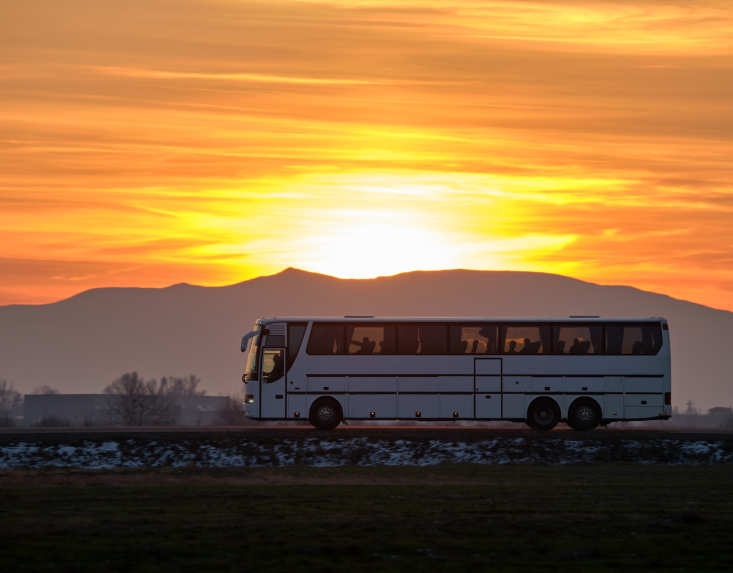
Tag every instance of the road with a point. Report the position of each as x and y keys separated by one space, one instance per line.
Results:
x=347 y=429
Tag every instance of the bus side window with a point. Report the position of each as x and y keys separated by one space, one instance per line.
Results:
x=633 y=339
x=473 y=339
x=430 y=339
x=572 y=339
x=295 y=338
x=370 y=339
x=326 y=339
x=527 y=339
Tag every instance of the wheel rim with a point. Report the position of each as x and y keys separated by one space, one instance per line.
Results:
x=543 y=415
x=326 y=414
x=585 y=415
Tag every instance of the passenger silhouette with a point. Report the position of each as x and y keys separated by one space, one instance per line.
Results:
x=277 y=368
x=464 y=346
x=527 y=348
x=559 y=347
x=575 y=348
x=474 y=347
x=512 y=347
x=366 y=346
x=585 y=347
x=636 y=348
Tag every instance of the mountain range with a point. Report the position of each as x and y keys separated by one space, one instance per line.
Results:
x=81 y=344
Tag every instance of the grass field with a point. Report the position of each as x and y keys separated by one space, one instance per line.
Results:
x=444 y=518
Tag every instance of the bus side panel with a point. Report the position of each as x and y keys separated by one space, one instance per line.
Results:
x=632 y=384
x=428 y=405
x=326 y=384
x=456 y=406
x=296 y=405
x=613 y=407
x=383 y=406
x=584 y=384
x=514 y=406
x=488 y=406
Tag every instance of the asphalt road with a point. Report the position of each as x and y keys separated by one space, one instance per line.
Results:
x=561 y=428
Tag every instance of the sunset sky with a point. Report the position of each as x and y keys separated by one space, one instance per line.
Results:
x=151 y=142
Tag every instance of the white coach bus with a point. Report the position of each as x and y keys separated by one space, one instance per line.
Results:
x=585 y=371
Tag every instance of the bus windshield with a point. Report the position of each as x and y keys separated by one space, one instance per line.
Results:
x=252 y=357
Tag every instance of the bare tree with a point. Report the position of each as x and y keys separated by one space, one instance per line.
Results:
x=134 y=402
x=10 y=401
x=183 y=386
x=45 y=390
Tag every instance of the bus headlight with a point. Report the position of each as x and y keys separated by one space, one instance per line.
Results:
x=249 y=399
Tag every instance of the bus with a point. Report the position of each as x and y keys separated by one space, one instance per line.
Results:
x=581 y=370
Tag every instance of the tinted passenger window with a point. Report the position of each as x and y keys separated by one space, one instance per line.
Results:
x=628 y=339
x=370 y=339
x=423 y=339
x=577 y=339
x=295 y=337
x=474 y=339
x=526 y=339
x=326 y=339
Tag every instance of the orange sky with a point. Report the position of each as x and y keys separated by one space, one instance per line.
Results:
x=150 y=142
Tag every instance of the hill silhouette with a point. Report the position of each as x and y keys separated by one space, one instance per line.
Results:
x=80 y=344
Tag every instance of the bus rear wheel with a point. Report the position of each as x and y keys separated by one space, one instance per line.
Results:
x=584 y=415
x=544 y=414
x=325 y=414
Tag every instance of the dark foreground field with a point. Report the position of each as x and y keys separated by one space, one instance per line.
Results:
x=440 y=518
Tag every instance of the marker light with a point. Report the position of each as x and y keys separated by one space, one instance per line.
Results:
x=372 y=414
x=455 y=414
x=417 y=414
x=668 y=398
x=297 y=414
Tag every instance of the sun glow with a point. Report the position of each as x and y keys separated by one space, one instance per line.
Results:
x=367 y=250
x=361 y=139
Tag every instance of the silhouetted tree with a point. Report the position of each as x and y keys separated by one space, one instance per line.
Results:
x=134 y=402
x=10 y=401
x=184 y=386
x=45 y=390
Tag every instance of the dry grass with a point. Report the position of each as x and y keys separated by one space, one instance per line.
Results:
x=442 y=519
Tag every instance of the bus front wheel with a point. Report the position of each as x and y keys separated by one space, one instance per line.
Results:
x=544 y=414
x=584 y=415
x=325 y=414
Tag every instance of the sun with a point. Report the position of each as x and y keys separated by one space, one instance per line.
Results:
x=370 y=249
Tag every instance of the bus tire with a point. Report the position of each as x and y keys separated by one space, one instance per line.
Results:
x=543 y=414
x=584 y=415
x=325 y=414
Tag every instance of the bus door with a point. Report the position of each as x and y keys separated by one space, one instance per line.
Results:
x=487 y=385
x=272 y=383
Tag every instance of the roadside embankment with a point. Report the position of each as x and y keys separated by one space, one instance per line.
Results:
x=357 y=447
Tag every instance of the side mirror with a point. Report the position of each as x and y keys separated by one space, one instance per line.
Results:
x=245 y=339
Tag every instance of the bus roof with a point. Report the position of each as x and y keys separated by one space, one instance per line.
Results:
x=482 y=319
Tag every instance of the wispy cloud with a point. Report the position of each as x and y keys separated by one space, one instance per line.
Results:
x=158 y=141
